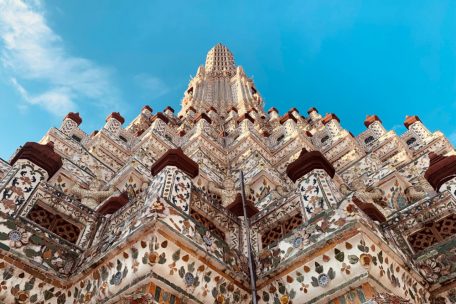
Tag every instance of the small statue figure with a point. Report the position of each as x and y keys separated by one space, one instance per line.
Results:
x=93 y=196
x=363 y=193
x=418 y=191
x=227 y=193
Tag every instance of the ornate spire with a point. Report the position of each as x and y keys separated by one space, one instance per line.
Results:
x=220 y=60
x=221 y=84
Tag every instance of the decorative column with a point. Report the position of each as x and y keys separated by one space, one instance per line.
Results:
x=114 y=122
x=299 y=119
x=332 y=123
x=413 y=123
x=313 y=114
x=232 y=113
x=147 y=110
x=245 y=122
x=373 y=122
x=32 y=164
x=274 y=117
x=70 y=123
x=173 y=173
x=169 y=111
x=159 y=122
x=203 y=123
x=312 y=173
x=273 y=114
x=213 y=114
x=289 y=122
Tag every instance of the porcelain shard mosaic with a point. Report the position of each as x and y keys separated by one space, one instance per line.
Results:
x=153 y=211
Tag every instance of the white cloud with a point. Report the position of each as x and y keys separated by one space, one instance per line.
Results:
x=57 y=101
x=32 y=51
x=153 y=86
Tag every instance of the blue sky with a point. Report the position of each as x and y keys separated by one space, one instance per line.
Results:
x=353 y=58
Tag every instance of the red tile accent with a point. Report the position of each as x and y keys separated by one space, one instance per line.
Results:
x=308 y=161
x=41 y=155
x=441 y=169
x=176 y=157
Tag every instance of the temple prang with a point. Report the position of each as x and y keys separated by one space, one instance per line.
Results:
x=150 y=211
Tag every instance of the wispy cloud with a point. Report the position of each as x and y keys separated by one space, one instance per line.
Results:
x=32 y=52
x=153 y=86
x=398 y=128
x=56 y=101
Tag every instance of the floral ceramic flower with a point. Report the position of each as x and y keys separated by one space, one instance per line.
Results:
x=152 y=258
x=297 y=242
x=365 y=260
x=158 y=207
x=303 y=237
x=18 y=191
x=284 y=299
x=116 y=278
x=3 y=286
x=431 y=270
x=57 y=260
x=345 y=268
x=18 y=238
x=135 y=265
x=220 y=299
x=104 y=287
x=382 y=271
x=21 y=297
x=272 y=289
x=309 y=189
x=323 y=280
x=209 y=241
x=26 y=180
x=87 y=297
x=189 y=279
x=47 y=254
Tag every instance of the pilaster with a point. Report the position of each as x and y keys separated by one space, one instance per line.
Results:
x=32 y=164
x=332 y=123
x=312 y=174
x=70 y=123
x=414 y=124
x=173 y=173
x=374 y=123
x=114 y=122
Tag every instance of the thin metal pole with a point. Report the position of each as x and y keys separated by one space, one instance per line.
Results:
x=249 y=246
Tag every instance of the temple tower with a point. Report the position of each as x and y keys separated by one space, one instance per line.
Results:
x=221 y=85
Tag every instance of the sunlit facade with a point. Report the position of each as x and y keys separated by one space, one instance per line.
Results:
x=151 y=212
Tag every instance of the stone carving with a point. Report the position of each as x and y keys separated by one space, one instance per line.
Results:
x=419 y=191
x=280 y=192
x=364 y=193
x=93 y=196
x=227 y=193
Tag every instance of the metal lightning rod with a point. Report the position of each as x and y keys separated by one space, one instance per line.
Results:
x=249 y=246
